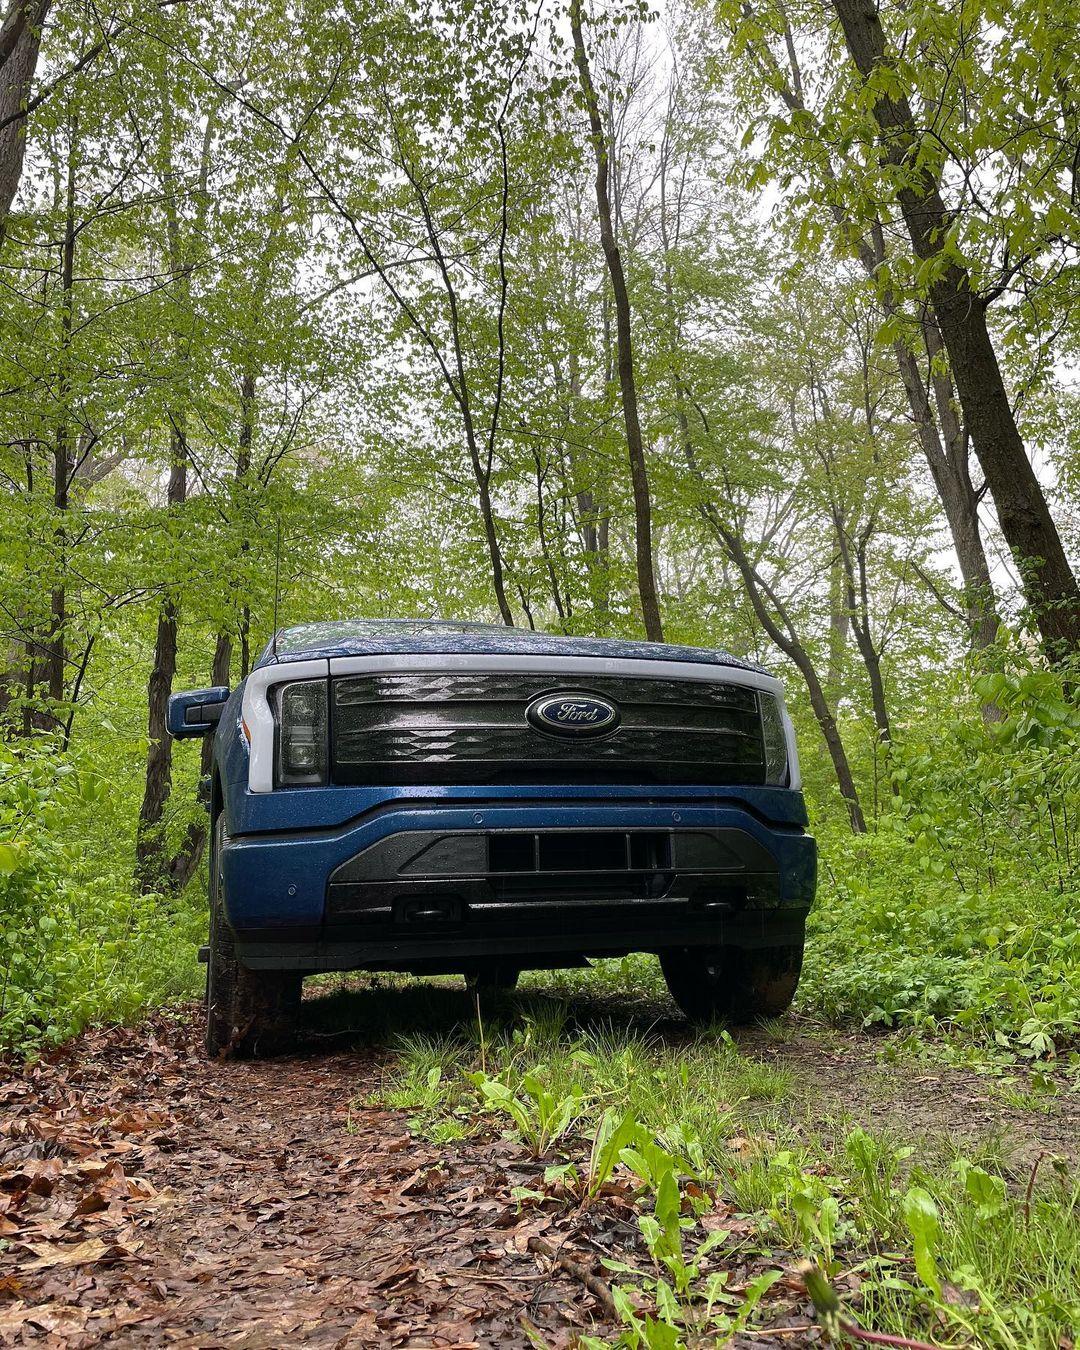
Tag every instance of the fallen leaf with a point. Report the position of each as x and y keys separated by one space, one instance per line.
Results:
x=80 y=1254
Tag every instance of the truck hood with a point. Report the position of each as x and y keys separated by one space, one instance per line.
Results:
x=316 y=641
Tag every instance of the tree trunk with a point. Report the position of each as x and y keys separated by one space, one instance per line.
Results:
x=1049 y=584
x=945 y=450
x=959 y=498
x=790 y=644
x=646 y=576
x=857 y=599
x=591 y=513
x=185 y=863
x=839 y=627
x=561 y=609
x=20 y=42
x=56 y=656
x=151 y=866
x=783 y=633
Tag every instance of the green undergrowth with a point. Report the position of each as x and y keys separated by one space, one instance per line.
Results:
x=999 y=966
x=928 y=1242
x=960 y=909
x=78 y=942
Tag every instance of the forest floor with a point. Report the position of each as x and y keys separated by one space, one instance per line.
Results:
x=148 y=1196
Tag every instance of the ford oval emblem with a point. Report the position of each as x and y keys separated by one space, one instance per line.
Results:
x=573 y=714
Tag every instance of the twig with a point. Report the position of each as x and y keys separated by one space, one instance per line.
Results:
x=592 y=1283
x=1031 y=1187
x=883 y=1338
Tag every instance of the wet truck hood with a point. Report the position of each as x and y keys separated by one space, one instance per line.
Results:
x=314 y=641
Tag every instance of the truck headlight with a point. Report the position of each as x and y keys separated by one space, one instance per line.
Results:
x=301 y=733
x=774 y=735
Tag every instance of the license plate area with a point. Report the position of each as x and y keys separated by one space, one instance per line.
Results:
x=581 y=851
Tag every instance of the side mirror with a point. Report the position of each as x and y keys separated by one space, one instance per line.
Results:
x=196 y=712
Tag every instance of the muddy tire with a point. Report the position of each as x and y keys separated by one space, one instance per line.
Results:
x=492 y=977
x=733 y=984
x=248 y=1012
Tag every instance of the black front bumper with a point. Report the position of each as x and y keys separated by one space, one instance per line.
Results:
x=434 y=900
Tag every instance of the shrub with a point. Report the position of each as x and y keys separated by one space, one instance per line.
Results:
x=77 y=943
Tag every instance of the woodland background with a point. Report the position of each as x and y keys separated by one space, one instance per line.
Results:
x=750 y=324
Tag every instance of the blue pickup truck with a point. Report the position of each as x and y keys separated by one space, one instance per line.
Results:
x=464 y=798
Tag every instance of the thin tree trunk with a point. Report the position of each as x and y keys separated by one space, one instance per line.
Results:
x=152 y=864
x=781 y=629
x=591 y=513
x=245 y=642
x=1049 y=584
x=56 y=657
x=857 y=602
x=839 y=627
x=151 y=867
x=958 y=497
x=646 y=576
x=945 y=449
x=185 y=862
x=960 y=500
x=791 y=645
x=545 y=549
x=457 y=380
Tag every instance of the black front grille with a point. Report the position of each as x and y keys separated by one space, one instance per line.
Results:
x=462 y=876
x=470 y=727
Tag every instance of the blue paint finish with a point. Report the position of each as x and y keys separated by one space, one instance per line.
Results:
x=231 y=758
x=320 y=808
x=370 y=637
x=179 y=705
x=279 y=881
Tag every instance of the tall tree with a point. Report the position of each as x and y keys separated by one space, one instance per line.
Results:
x=185 y=242
x=639 y=473
x=960 y=312
x=941 y=435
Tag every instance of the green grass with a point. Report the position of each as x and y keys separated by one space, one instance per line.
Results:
x=997 y=1267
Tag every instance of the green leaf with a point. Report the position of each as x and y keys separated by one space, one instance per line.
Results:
x=11 y=856
x=921 y=1217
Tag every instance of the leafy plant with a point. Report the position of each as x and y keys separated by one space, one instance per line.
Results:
x=541 y=1116
x=690 y=1303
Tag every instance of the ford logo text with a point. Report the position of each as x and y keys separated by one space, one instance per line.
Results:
x=573 y=714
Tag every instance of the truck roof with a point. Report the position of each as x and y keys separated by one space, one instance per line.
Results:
x=378 y=637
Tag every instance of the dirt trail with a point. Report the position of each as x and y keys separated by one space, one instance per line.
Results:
x=150 y=1197
x=253 y=1205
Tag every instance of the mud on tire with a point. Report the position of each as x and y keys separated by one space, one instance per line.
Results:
x=248 y=1012
x=734 y=984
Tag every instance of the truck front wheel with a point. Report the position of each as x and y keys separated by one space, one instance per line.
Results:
x=248 y=1012
x=734 y=984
